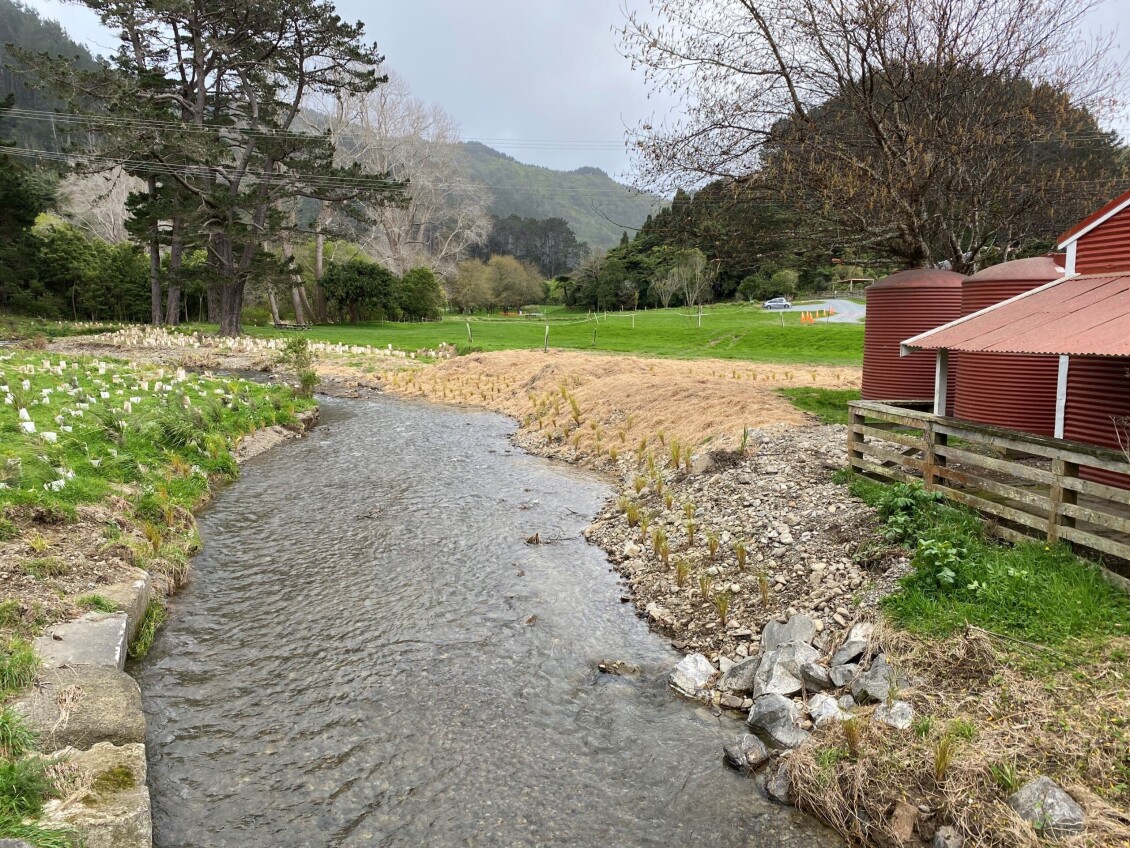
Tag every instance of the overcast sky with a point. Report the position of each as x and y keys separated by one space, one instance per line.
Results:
x=540 y=80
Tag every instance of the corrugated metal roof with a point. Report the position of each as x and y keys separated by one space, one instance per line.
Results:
x=1094 y=219
x=1080 y=316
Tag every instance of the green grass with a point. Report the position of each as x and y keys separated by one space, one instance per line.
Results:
x=18 y=327
x=99 y=425
x=97 y=603
x=147 y=630
x=829 y=405
x=18 y=664
x=1030 y=591
x=728 y=332
x=24 y=787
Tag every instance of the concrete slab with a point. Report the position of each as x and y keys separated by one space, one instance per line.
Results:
x=132 y=598
x=113 y=812
x=79 y=706
x=94 y=639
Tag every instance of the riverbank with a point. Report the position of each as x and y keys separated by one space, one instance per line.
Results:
x=103 y=465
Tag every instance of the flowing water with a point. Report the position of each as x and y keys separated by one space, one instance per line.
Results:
x=357 y=662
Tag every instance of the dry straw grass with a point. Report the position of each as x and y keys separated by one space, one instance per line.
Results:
x=985 y=710
x=634 y=399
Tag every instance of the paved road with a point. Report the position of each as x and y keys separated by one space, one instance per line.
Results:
x=845 y=310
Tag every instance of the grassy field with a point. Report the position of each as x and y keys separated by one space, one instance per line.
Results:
x=727 y=332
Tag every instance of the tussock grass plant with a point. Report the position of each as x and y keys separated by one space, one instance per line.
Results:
x=37 y=542
x=705 y=583
x=632 y=513
x=44 y=567
x=741 y=552
x=852 y=730
x=682 y=571
x=944 y=752
x=763 y=587
x=691 y=529
x=668 y=501
x=97 y=603
x=147 y=631
x=658 y=539
x=639 y=484
x=665 y=553
x=1006 y=776
x=712 y=544
x=15 y=738
x=721 y=601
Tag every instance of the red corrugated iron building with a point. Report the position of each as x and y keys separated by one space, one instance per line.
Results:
x=1083 y=320
x=1098 y=389
x=1007 y=390
x=900 y=306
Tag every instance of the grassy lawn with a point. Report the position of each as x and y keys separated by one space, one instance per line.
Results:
x=728 y=332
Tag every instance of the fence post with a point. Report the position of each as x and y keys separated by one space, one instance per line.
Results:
x=1059 y=495
x=929 y=474
x=855 y=419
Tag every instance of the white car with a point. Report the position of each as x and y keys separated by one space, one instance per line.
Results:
x=777 y=303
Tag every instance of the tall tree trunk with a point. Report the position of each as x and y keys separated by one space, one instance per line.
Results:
x=296 y=301
x=176 y=254
x=215 y=302
x=320 y=313
x=273 y=302
x=154 y=260
x=306 y=302
x=231 y=306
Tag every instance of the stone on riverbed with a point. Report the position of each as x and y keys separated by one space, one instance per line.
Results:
x=746 y=753
x=898 y=715
x=842 y=675
x=816 y=677
x=799 y=628
x=877 y=683
x=1048 y=808
x=739 y=678
x=774 y=718
x=778 y=786
x=692 y=675
x=824 y=710
x=854 y=644
x=780 y=670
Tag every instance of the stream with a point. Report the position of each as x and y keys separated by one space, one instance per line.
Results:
x=369 y=653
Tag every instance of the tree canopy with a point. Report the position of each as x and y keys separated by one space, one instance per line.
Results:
x=928 y=131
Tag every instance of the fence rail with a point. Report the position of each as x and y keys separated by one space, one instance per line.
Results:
x=1029 y=486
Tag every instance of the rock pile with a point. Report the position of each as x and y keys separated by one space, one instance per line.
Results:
x=801 y=679
x=750 y=539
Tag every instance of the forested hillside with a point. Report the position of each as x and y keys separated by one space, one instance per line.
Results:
x=597 y=208
x=22 y=25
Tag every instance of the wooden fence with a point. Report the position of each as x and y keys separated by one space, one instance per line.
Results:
x=1029 y=486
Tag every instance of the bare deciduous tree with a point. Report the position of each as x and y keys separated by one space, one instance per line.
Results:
x=96 y=202
x=446 y=212
x=927 y=129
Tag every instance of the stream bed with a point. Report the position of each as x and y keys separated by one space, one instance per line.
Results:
x=370 y=654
